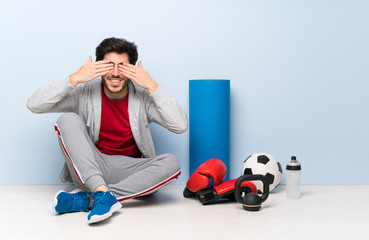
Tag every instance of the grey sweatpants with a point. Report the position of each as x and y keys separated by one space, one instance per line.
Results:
x=126 y=177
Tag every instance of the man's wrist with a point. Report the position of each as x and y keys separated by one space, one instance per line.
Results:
x=73 y=80
x=153 y=88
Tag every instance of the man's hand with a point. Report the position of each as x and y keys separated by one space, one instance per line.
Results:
x=89 y=71
x=139 y=76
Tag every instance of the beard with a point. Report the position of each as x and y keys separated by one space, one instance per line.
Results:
x=115 y=90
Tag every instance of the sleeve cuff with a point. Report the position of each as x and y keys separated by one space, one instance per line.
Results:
x=159 y=96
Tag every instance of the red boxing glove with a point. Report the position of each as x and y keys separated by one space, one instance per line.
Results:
x=224 y=190
x=200 y=179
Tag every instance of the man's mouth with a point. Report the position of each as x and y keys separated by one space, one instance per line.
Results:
x=115 y=82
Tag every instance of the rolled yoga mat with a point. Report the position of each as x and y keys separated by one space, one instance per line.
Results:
x=209 y=119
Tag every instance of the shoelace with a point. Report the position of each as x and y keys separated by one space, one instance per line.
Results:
x=99 y=197
x=81 y=202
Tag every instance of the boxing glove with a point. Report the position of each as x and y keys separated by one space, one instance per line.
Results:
x=224 y=190
x=213 y=169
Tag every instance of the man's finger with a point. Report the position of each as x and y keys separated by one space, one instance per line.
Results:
x=104 y=69
x=99 y=74
x=89 y=59
x=128 y=65
x=128 y=68
x=103 y=62
x=105 y=65
x=128 y=74
x=139 y=64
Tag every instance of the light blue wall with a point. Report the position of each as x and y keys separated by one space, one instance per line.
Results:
x=298 y=70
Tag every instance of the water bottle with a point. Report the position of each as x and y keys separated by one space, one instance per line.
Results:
x=293 y=178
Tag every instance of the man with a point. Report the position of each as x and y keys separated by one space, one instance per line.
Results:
x=104 y=134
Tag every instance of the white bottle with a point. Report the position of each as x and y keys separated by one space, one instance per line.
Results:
x=293 y=178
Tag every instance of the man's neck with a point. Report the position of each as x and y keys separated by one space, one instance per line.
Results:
x=116 y=97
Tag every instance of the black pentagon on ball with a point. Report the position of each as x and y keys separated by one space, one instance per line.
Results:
x=247 y=171
x=270 y=178
x=263 y=159
x=279 y=167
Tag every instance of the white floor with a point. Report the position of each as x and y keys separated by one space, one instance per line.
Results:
x=323 y=212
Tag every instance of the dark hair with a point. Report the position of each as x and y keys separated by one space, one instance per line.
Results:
x=118 y=45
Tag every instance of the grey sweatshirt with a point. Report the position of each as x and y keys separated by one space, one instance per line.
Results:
x=85 y=100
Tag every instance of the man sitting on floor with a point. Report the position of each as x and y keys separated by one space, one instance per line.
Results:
x=104 y=132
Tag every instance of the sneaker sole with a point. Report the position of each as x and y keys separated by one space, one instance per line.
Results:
x=56 y=196
x=99 y=218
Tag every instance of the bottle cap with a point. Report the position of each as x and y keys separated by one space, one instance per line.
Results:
x=293 y=165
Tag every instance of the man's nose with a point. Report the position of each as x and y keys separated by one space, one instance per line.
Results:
x=116 y=70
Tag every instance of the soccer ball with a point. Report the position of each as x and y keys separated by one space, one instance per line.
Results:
x=264 y=164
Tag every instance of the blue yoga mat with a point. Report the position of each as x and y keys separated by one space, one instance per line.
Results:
x=209 y=120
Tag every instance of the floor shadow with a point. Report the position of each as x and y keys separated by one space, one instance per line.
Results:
x=150 y=200
x=106 y=221
x=276 y=190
